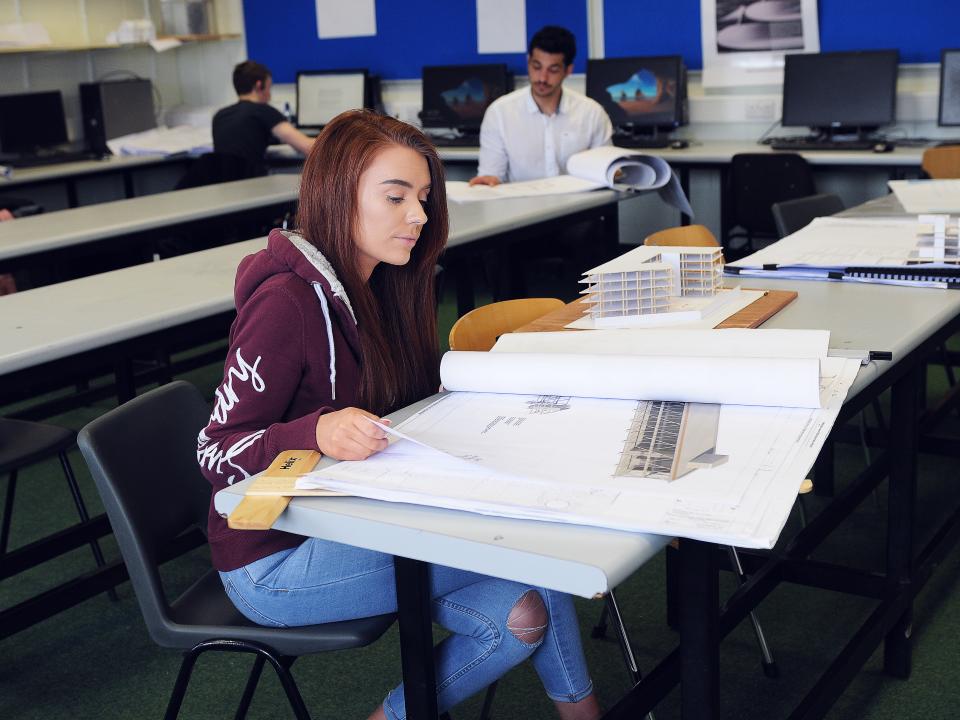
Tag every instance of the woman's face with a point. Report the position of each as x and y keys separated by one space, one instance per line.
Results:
x=391 y=197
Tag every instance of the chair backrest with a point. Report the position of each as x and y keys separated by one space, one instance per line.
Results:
x=480 y=328
x=758 y=180
x=792 y=215
x=142 y=456
x=211 y=168
x=942 y=162
x=684 y=236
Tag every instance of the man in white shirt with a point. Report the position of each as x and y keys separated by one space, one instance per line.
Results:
x=532 y=132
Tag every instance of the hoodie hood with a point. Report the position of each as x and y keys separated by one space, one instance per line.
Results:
x=289 y=252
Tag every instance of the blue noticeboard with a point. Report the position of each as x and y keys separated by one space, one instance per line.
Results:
x=283 y=36
x=918 y=28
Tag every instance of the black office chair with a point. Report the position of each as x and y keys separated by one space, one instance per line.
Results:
x=755 y=182
x=20 y=206
x=24 y=443
x=793 y=215
x=211 y=168
x=143 y=459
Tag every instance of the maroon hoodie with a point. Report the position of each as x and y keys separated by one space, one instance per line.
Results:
x=294 y=355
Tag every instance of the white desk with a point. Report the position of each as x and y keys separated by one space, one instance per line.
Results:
x=52 y=231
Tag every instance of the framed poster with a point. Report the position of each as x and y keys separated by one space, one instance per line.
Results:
x=744 y=41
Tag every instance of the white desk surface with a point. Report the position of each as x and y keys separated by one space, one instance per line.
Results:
x=576 y=559
x=98 y=310
x=41 y=233
x=719 y=152
x=64 y=171
x=68 y=318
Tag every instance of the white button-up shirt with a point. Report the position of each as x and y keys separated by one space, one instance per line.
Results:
x=518 y=142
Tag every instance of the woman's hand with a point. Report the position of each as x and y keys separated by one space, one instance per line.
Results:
x=348 y=434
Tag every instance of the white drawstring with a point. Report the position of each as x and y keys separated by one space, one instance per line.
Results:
x=318 y=288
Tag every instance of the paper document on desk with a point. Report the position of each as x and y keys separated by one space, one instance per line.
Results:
x=600 y=167
x=163 y=141
x=724 y=473
x=927 y=196
x=896 y=249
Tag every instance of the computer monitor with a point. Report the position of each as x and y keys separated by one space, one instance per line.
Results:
x=324 y=94
x=457 y=96
x=840 y=93
x=31 y=120
x=642 y=95
x=949 y=87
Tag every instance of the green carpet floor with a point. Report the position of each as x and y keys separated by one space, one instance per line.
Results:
x=96 y=660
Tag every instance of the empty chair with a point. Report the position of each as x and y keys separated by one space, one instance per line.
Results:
x=480 y=328
x=683 y=236
x=942 y=163
x=143 y=459
x=755 y=182
x=24 y=443
x=792 y=215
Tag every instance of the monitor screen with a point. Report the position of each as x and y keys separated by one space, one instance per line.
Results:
x=457 y=96
x=32 y=120
x=950 y=87
x=127 y=107
x=639 y=91
x=322 y=95
x=840 y=90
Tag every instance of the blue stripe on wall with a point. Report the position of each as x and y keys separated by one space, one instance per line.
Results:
x=282 y=34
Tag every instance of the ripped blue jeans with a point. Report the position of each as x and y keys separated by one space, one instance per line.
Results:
x=322 y=581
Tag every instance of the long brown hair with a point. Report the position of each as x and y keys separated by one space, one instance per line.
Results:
x=395 y=310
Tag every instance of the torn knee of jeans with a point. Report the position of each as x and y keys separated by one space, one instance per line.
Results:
x=527 y=620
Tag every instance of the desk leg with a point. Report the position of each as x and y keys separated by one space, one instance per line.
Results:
x=904 y=419
x=461 y=269
x=416 y=638
x=699 y=610
x=684 y=175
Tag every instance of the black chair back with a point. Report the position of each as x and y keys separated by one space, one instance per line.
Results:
x=757 y=180
x=212 y=168
x=793 y=215
x=143 y=461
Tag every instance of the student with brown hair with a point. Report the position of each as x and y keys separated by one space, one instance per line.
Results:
x=247 y=127
x=336 y=326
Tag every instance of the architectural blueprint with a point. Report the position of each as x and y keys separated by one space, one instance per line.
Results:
x=607 y=462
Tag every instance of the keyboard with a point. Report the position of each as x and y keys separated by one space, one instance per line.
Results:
x=42 y=158
x=471 y=141
x=803 y=143
x=633 y=141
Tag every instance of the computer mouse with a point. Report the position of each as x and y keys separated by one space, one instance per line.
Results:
x=882 y=147
x=679 y=144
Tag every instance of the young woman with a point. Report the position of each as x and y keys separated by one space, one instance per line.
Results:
x=336 y=325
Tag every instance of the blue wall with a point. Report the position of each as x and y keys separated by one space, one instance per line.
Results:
x=917 y=28
x=282 y=34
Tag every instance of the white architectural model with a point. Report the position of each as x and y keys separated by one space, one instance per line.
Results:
x=652 y=280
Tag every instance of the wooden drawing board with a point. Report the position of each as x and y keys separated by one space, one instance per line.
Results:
x=754 y=315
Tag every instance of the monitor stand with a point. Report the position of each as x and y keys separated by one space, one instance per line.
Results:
x=632 y=137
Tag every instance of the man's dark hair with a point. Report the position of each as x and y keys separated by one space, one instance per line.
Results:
x=246 y=75
x=555 y=39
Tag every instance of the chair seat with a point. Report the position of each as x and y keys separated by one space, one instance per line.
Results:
x=24 y=443
x=204 y=612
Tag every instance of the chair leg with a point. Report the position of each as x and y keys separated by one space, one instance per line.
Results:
x=282 y=667
x=488 y=701
x=250 y=687
x=600 y=629
x=84 y=516
x=180 y=686
x=8 y=512
x=770 y=668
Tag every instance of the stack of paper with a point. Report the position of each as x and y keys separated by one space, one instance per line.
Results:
x=584 y=438
x=182 y=139
x=889 y=251
x=927 y=196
